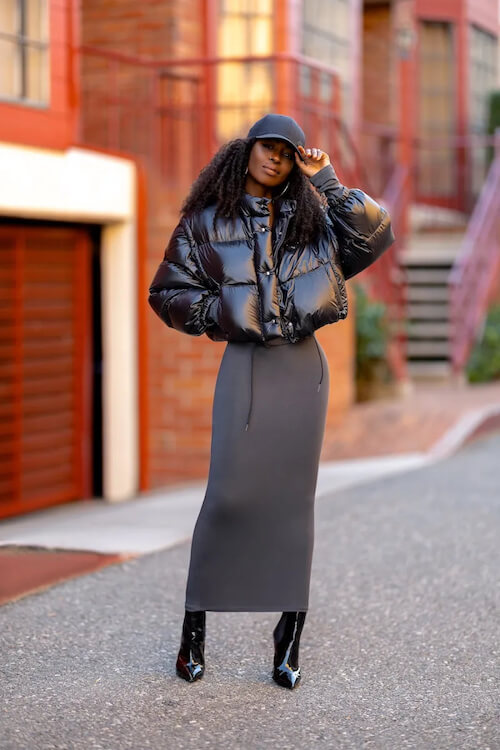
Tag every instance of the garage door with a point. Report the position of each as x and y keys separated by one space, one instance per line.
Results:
x=45 y=367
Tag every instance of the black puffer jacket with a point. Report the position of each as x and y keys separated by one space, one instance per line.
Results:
x=234 y=285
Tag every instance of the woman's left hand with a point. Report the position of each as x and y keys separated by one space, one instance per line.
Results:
x=314 y=160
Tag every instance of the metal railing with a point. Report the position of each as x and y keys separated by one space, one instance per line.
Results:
x=174 y=114
x=447 y=170
x=476 y=267
x=390 y=273
x=385 y=279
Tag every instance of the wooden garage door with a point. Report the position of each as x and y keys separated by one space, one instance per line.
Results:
x=45 y=367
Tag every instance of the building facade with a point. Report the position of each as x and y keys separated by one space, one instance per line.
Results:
x=107 y=113
x=68 y=251
x=216 y=68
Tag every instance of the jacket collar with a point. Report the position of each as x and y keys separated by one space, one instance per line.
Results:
x=256 y=206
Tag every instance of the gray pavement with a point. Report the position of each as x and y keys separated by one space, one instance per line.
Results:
x=400 y=648
x=162 y=518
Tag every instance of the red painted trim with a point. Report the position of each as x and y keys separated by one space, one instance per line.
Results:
x=356 y=31
x=51 y=126
x=461 y=49
x=210 y=10
x=407 y=77
x=284 y=93
x=143 y=343
x=74 y=80
x=210 y=60
x=294 y=26
x=439 y=10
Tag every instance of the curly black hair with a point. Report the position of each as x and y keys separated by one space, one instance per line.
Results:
x=222 y=182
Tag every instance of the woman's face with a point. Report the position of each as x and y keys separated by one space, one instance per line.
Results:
x=271 y=161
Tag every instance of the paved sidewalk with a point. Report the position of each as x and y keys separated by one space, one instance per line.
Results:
x=400 y=649
x=413 y=424
x=377 y=439
x=160 y=519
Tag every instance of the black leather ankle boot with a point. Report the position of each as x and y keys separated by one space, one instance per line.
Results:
x=190 y=663
x=286 y=637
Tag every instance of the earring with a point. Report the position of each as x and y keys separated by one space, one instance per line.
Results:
x=246 y=171
x=284 y=190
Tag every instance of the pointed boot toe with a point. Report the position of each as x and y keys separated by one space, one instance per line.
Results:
x=286 y=636
x=286 y=677
x=190 y=664
x=190 y=670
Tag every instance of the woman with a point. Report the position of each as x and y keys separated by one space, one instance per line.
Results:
x=259 y=259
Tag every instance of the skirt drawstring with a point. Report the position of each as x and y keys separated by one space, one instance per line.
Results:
x=251 y=387
x=321 y=361
x=252 y=352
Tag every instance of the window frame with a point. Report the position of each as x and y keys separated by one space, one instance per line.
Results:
x=335 y=45
x=22 y=44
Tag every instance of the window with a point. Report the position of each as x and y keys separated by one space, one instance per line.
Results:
x=437 y=175
x=244 y=89
x=482 y=75
x=24 y=50
x=326 y=37
x=482 y=80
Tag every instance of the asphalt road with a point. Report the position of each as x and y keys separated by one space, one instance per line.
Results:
x=400 y=647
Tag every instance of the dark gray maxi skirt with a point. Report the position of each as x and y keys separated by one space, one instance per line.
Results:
x=253 y=540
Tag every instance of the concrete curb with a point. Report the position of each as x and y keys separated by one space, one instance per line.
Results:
x=161 y=519
x=481 y=421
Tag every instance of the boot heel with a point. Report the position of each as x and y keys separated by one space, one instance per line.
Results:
x=190 y=664
x=286 y=636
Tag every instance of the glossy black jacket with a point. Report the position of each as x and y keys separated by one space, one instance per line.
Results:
x=234 y=285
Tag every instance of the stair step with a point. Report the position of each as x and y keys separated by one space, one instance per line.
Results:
x=429 y=330
x=424 y=217
x=424 y=275
x=430 y=256
x=427 y=311
x=433 y=248
x=426 y=370
x=427 y=294
x=422 y=349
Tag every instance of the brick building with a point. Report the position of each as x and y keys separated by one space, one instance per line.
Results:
x=191 y=106
x=428 y=69
x=68 y=251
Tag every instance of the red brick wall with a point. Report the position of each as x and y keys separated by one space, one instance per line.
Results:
x=182 y=373
x=159 y=29
x=337 y=341
x=379 y=102
x=181 y=368
x=379 y=92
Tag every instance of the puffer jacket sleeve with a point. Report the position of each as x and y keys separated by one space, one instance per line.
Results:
x=180 y=293
x=362 y=225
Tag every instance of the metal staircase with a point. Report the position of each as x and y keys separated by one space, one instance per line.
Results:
x=427 y=262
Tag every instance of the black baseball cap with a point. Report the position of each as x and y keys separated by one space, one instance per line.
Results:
x=279 y=126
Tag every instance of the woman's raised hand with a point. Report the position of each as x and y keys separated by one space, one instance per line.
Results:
x=314 y=160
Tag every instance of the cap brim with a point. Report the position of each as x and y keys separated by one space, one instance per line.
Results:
x=281 y=138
